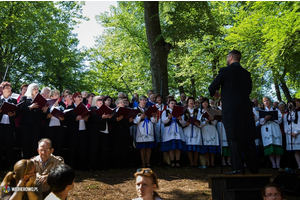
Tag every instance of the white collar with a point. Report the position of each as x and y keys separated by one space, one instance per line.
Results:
x=2 y=97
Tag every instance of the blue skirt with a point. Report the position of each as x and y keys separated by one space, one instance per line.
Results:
x=196 y=148
x=171 y=145
x=211 y=149
x=143 y=145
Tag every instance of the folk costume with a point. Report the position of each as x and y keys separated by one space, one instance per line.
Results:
x=291 y=123
x=159 y=126
x=211 y=141
x=271 y=135
x=145 y=130
x=192 y=133
x=173 y=137
x=223 y=137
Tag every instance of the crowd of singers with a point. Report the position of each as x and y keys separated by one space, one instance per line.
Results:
x=97 y=142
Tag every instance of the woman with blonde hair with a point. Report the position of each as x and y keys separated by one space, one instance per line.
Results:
x=146 y=184
x=22 y=176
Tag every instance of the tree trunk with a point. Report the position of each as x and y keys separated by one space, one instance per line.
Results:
x=193 y=88
x=284 y=86
x=158 y=47
x=285 y=90
x=277 y=90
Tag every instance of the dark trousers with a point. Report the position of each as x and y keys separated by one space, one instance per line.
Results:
x=56 y=135
x=120 y=145
x=94 y=144
x=247 y=149
x=78 y=150
x=31 y=136
x=105 y=142
x=6 y=142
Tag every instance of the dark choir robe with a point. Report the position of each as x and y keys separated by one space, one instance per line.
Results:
x=6 y=135
x=99 y=142
x=31 y=127
x=121 y=140
x=78 y=141
x=55 y=133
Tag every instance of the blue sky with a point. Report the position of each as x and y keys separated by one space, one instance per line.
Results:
x=87 y=30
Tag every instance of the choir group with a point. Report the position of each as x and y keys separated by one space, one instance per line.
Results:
x=101 y=137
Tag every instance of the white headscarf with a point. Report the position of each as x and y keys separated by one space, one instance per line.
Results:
x=28 y=93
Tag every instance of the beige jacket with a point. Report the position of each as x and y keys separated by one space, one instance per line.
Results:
x=53 y=162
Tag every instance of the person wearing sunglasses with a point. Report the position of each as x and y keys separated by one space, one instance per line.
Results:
x=146 y=184
x=272 y=191
x=22 y=176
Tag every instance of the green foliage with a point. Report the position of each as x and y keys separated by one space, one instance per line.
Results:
x=121 y=52
x=38 y=46
x=268 y=34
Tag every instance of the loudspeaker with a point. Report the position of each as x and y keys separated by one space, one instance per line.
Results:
x=289 y=183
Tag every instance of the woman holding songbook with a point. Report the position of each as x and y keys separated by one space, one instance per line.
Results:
x=31 y=121
x=192 y=132
x=107 y=100
x=54 y=126
x=23 y=91
x=211 y=141
x=291 y=122
x=7 y=125
x=159 y=126
x=173 y=137
x=121 y=138
x=223 y=138
x=270 y=132
x=77 y=129
x=98 y=136
x=144 y=132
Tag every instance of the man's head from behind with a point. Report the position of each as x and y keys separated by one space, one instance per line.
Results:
x=45 y=149
x=233 y=56
x=61 y=178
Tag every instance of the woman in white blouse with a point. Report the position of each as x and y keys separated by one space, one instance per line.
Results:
x=172 y=138
x=271 y=134
x=291 y=122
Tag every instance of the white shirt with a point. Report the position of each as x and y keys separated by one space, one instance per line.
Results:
x=5 y=117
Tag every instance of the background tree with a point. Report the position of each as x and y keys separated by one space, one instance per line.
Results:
x=267 y=33
x=37 y=44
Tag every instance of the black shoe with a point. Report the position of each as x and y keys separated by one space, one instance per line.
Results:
x=235 y=172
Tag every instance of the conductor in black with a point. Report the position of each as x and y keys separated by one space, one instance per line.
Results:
x=238 y=118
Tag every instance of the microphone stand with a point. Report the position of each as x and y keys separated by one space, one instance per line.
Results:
x=290 y=170
x=221 y=143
